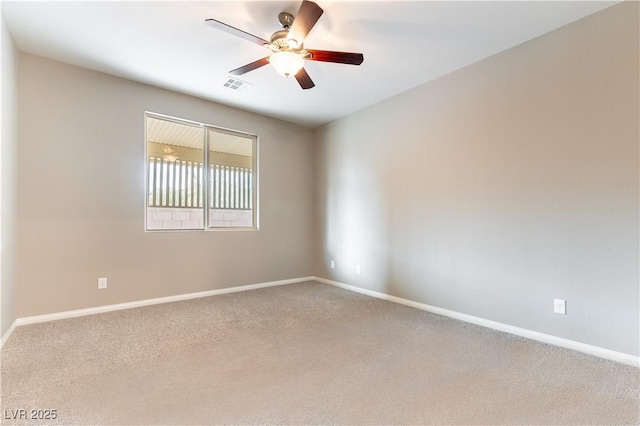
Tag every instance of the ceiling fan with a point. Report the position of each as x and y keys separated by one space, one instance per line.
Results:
x=287 y=50
x=169 y=154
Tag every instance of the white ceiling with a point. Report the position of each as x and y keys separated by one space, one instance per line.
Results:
x=167 y=44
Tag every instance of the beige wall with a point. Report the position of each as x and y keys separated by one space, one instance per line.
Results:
x=499 y=187
x=81 y=207
x=8 y=183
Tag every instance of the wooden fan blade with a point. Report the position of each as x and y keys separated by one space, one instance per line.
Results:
x=307 y=16
x=250 y=67
x=304 y=80
x=338 y=57
x=235 y=31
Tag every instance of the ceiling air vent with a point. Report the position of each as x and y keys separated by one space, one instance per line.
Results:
x=238 y=85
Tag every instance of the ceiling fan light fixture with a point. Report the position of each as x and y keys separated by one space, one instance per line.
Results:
x=286 y=63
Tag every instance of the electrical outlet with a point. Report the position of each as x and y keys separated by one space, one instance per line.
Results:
x=560 y=306
x=357 y=269
x=333 y=265
x=102 y=283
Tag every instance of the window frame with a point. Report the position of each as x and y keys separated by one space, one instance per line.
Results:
x=255 y=193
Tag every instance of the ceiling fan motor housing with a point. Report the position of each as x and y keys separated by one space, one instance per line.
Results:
x=279 y=38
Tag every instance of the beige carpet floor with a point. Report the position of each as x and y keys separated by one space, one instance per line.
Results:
x=302 y=354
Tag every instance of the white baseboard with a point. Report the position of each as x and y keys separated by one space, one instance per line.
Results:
x=8 y=334
x=139 y=303
x=523 y=332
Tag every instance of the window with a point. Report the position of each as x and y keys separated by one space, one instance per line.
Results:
x=192 y=165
